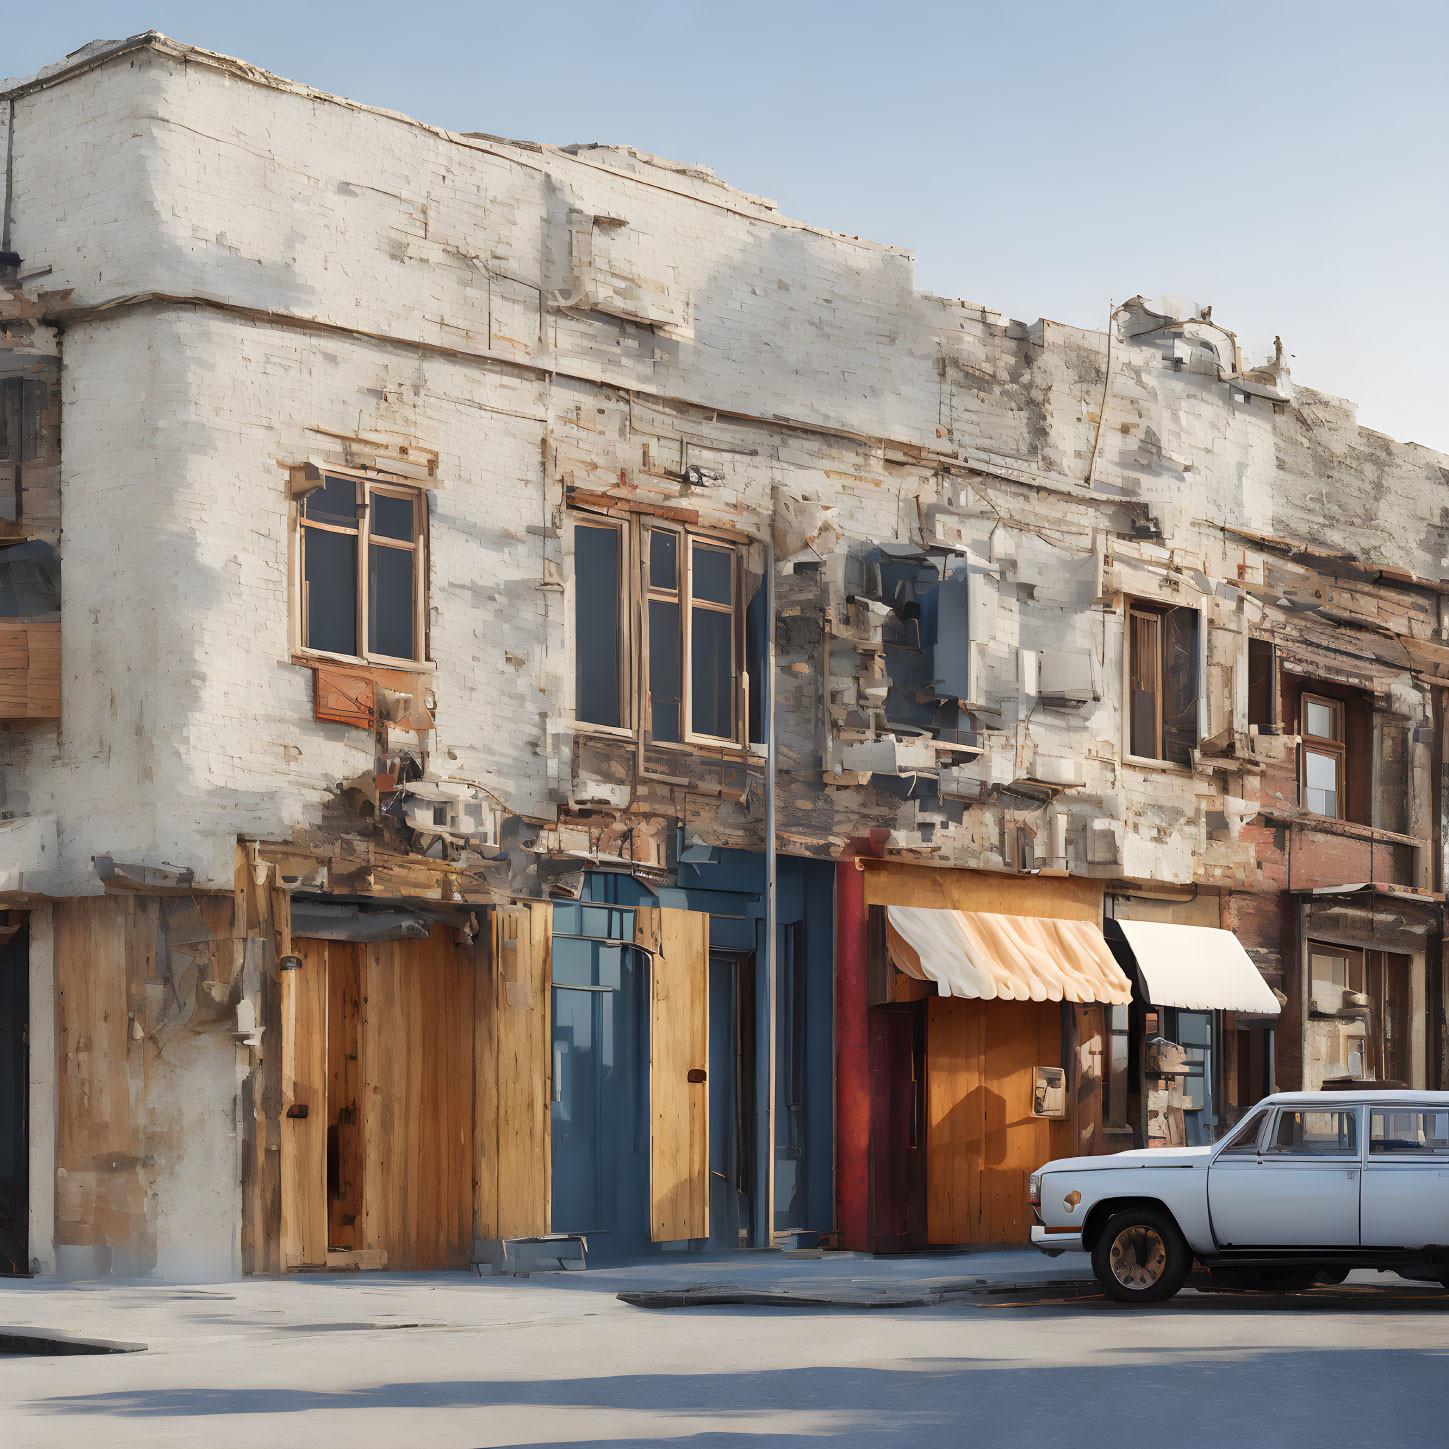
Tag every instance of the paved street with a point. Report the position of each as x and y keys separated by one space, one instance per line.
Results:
x=450 y=1360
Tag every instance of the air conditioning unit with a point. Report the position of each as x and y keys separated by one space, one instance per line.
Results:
x=1067 y=679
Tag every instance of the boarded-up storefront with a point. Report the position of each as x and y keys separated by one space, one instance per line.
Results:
x=415 y=1089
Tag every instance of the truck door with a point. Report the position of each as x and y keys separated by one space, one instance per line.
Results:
x=1406 y=1179
x=1298 y=1190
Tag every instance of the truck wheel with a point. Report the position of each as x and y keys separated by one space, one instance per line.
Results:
x=1140 y=1257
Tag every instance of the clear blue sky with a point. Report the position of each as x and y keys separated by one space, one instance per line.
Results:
x=1287 y=162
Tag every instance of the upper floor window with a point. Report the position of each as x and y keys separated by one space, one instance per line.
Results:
x=1322 y=756
x=691 y=683
x=364 y=570
x=1162 y=681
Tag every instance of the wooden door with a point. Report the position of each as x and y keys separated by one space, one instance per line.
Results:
x=678 y=1072
x=417 y=1101
x=983 y=1140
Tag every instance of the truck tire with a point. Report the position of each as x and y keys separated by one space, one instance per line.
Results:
x=1140 y=1256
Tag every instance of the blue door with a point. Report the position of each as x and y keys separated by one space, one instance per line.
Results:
x=600 y=1131
x=731 y=1090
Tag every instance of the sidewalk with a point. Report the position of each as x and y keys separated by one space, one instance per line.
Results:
x=848 y=1280
x=150 y=1313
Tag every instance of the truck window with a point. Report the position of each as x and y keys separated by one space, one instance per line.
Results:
x=1315 y=1134
x=1421 y=1134
x=1245 y=1140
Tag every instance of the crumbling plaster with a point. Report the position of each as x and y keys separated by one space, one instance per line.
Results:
x=257 y=268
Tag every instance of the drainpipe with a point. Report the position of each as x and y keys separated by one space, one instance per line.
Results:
x=765 y=1225
x=852 y=1051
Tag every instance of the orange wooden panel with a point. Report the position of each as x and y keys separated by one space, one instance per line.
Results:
x=1068 y=898
x=344 y=697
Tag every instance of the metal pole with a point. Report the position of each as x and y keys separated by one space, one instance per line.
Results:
x=767 y=1237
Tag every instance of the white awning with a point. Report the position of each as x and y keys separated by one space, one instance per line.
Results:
x=990 y=957
x=1197 y=967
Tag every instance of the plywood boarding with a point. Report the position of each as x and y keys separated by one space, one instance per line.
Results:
x=678 y=1047
x=132 y=974
x=304 y=1091
x=982 y=1140
x=1066 y=897
x=417 y=1101
x=29 y=670
x=514 y=1075
x=100 y=1180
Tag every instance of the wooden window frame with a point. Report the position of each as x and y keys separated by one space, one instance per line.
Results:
x=678 y=596
x=365 y=486
x=1323 y=745
x=735 y=608
x=1156 y=612
x=634 y=603
x=628 y=692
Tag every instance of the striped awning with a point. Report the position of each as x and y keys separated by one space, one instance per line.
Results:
x=1005 y=958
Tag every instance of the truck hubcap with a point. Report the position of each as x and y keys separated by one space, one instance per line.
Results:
x=1138 y=1256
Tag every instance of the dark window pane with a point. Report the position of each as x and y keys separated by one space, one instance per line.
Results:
x=663 y=559
x=334 y=502
x=713 y=575
x=330 y=562
x=712 y=692
x=596 y=626
x=1180 y=685
x=392 y=517
x=390 y=604
x=666 y=671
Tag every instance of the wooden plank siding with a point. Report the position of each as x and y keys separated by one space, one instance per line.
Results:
x=678 y=1046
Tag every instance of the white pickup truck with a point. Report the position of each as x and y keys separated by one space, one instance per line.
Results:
x=1310 y=1184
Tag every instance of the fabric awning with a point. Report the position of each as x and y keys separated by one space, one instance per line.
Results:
x=1005 y=958
x=1200 y=968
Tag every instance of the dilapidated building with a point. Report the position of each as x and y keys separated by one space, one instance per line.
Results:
x=432 y=564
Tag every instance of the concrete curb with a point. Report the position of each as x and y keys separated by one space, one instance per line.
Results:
x=56 y=1342
x=725 y=1295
